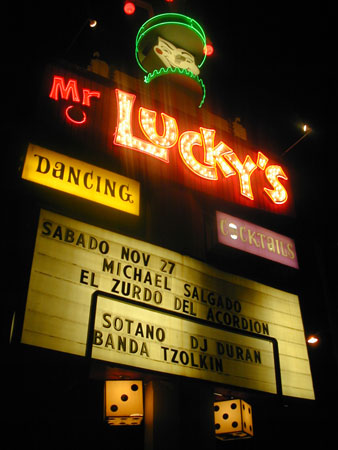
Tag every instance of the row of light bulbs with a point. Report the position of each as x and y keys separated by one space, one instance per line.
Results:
x=220 y=155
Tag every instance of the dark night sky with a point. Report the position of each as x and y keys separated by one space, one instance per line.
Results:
x=274 y=66
x=273 y=61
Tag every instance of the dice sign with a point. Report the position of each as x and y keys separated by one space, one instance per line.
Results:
x=233 y=419
x=123 y=402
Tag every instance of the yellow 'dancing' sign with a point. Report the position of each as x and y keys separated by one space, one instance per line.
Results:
x=84 y=180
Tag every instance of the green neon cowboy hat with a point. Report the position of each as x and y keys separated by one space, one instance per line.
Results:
x=183 y=31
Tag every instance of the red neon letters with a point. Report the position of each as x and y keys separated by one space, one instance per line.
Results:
x=71 y=90
x=221 y=155
x=156 y=145
x=60 y=88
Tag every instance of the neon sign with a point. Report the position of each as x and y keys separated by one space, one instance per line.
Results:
x=220 y=155
x=218 y=158
x=171 y=44
x=156 y=145
x=61 y=90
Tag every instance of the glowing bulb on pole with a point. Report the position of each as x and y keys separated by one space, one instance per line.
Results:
x=208 y=49
x=129 y=8
x=312 y=340
x=307 y=130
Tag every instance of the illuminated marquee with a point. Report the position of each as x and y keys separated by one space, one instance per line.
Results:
x=133 y=303
x=218 y=157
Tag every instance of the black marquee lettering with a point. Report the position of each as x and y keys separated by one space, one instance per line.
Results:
x=118 y=324
x=46 y=228
x=109 y=341
x=92 y=243
x=144 y=350
x=165 y=351
x=160 y=334
x=136 y=292
x=108 y=266
x=139 y=330
x=125 y=253
x=133 y=346
x=173 y=356
x=114 y=288
x=184 y=357
x=58 y=233
x=106 y=317
x=69 y=235
x=147 y=278
x=122 y=343
x=186 y=290
x=257 y=355
x=97 y=340
x=203 y=364
x=81 y=240
x=104 y=247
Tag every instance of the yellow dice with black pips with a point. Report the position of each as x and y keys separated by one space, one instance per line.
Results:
x=233 y=419
x=123 y=402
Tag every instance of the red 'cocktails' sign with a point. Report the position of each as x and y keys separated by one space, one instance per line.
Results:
x=251 y=238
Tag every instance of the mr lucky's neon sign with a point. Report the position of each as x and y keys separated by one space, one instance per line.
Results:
x=215 y=155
